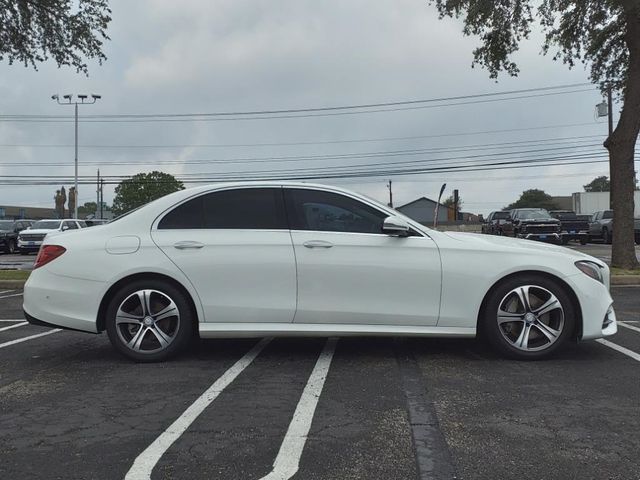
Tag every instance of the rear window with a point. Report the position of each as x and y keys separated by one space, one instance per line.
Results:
x=46 y=225
x=501 y=215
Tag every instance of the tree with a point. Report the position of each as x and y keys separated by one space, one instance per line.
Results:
x=143 y=188
x=602 y=33
x=449 y=202
x=534 y=198
x=598 y=184
x=32 y=31
x=88 y=208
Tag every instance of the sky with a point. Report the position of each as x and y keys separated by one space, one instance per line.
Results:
x=200 y=56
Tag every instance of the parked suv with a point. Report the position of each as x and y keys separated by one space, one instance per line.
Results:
x=30 y=240
x=572 y=227
x=601 y=226
x=493 y=225
x=9 y=230
x=534 y=224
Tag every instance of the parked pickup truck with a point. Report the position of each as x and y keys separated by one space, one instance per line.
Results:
x=495 y=221
x=601 y=226
x=533 y=224
x=572 y=228
x=9 y=230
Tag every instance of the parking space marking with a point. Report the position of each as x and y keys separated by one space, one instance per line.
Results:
x=31 y=337
x=9 y=296
x=287 y=461
x=147 y=460
x=22 y=324
x=615 y=346
x=11 y=319
x=630 y=327
x=6 y=291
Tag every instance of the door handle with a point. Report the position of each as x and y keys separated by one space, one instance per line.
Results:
x=186 y=244
x=317 y=244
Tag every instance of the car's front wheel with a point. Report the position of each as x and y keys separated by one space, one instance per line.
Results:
x=528 y=317
x=149 y=321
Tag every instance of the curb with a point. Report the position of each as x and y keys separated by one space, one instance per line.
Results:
x=625 y=279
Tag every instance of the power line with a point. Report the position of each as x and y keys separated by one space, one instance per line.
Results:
x=291 y=113
x=319 y=142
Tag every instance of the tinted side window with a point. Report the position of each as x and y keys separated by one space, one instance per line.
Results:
x=70 y=225
x=247 y=208
x=330 y=212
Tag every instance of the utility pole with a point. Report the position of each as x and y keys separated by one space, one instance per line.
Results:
x=101 y=195
x=456 y=200
x=390 y=194
x=610 y=115
x=68 y=100
x=97 y=195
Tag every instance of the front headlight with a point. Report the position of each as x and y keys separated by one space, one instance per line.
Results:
x=590 y=269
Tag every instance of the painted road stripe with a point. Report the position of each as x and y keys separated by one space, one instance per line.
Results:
x=618 y=348
x=630 y=327
x=287 y=462
x=6 y=291
x=143 y=465
x=26 y=339
x=11 y=319
x=9 y=296
x=14 y=326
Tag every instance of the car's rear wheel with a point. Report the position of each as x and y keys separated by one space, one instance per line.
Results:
x=606 y=236
x=149 y=321
x=11 y=247
x=528 y=317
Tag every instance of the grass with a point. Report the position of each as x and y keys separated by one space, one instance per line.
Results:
x=14 y=274
x=622 y=271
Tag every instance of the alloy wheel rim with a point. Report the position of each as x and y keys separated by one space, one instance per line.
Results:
x=147 y=321
x=530 y=318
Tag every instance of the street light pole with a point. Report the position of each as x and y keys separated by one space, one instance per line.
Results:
x=68 y=100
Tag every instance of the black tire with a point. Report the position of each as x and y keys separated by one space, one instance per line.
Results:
x=11 y=247
x=496 y=336
x=181 y=336
x=564 y=240
x=583 y=241
x=606 y=236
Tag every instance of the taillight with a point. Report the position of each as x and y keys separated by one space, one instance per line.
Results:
x=48 y=253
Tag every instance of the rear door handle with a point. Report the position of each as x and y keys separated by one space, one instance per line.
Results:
x=187 y=244
x=317 y=244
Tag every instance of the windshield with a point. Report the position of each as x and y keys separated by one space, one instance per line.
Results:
x=565 y=215
x=6 y=224
x=46 y=225
x=534 y=214
x=501 y=215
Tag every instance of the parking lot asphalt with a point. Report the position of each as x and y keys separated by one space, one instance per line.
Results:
x=382 y=408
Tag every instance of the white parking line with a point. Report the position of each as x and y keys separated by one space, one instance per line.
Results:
x=143 y=465
x=14 y=326
x=287 y=462
x=9 y=296
x=11 y=319
x=6 y=291
x=630 y=327
x=619 y=348
x=31 y=337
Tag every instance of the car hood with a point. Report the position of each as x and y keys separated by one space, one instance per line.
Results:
x=38 y=230
x=494 y=242
x=539 y=220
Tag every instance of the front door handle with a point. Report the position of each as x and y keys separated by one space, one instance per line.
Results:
x=186 y=244
x=317 y=244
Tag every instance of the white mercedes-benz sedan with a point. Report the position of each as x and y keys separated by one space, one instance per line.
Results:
x=282 y=258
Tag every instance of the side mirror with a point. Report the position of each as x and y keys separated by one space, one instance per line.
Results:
x=394 y=225
x=65 y=228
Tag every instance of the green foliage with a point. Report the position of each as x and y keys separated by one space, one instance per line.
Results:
x=143 y=188
x=32 y=31
x=598 y=184
x=449 y=202
x=534 y=198
x=588 y=31
x=87 y=209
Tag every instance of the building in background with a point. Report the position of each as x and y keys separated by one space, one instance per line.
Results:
x=422 y=210
x=8 y=212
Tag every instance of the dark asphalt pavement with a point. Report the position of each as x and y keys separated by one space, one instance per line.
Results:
x=72 y=408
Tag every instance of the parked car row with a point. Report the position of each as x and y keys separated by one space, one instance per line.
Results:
x=557 y=226
x=26 y=236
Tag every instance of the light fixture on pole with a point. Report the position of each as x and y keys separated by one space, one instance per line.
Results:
x=82 y=100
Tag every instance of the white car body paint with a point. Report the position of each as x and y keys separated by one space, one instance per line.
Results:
x=430 y=284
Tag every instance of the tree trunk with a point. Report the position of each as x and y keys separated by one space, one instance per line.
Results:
x=621 y=145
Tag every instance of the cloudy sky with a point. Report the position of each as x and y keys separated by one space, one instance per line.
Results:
x=200 y=56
